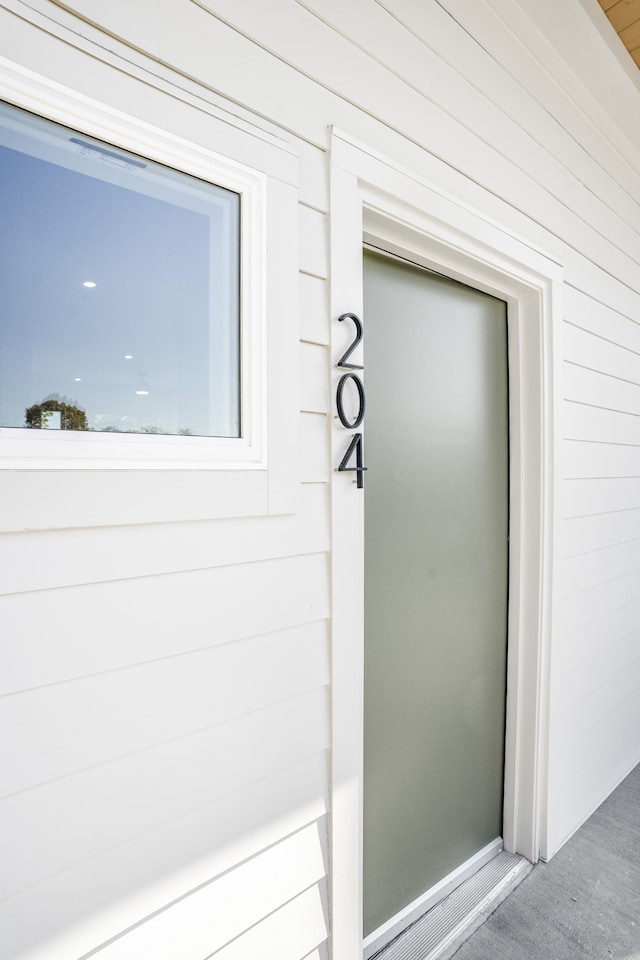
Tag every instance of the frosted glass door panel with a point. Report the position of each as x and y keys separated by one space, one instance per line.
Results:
x=436 y=555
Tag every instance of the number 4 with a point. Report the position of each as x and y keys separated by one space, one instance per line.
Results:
x=356 y=444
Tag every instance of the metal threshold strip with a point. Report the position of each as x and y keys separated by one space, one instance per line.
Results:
x=440 y=932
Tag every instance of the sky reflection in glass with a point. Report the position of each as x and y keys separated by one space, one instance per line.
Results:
x=119 y=283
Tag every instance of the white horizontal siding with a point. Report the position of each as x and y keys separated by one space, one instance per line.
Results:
x=579 y=50
x=584 y=497
x=314 y=364
x=108 y=625
x=329 y=57
x=597 y=531
x=586 y=422
x=599 y=650
x=611 y=708
x=597 y=725
x=51 y=827
x=604 y=746
x=313 y=179
x=600 y=390
x=46 y=560
x=514 y=80
x=65 y=727
x=588 y=570
x=289 y=933
x=594 y=674
x=314 y=309
x=593 y=603
x=315 y=448
x=598 y=318
x=94 y=900
x=589 y=459
x=597 y=352
x=530 y=61
x=320 y=953
x=104 y=499
x=407 y=56
x=313 y=242
x=233 y=903
x=398 y=84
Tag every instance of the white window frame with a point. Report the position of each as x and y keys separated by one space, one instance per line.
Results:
x=25 y=449
x=374 y=200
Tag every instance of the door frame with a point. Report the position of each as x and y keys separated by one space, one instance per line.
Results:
x=378 y=201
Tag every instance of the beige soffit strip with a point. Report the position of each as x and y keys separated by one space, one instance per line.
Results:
x=624 y=16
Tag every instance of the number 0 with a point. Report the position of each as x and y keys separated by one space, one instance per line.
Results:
x=361 y=401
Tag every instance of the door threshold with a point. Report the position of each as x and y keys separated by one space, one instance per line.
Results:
x=444 y=928
x=401 y=921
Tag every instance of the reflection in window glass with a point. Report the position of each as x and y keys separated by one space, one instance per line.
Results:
x=119 y=283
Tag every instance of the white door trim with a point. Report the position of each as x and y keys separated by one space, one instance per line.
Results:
x=375 y=201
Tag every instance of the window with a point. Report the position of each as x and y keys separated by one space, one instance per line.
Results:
x=205 y=164
x=120 y=281
x=241 y=174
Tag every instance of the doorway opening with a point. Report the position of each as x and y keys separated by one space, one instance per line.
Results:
x=399 y=211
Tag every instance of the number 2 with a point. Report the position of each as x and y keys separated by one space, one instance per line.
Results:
x=342 y=362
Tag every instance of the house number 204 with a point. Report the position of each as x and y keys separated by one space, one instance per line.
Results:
x=355 y=446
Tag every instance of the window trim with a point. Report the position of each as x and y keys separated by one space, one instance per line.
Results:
x=28 y=449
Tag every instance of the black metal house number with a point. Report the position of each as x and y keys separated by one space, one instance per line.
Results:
x=355 y=446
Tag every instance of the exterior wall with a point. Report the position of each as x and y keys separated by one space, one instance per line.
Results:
x=168 y=666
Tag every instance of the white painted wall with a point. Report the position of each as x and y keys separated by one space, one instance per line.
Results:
x=166 y=652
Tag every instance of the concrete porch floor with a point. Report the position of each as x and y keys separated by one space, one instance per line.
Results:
x=585 y=903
